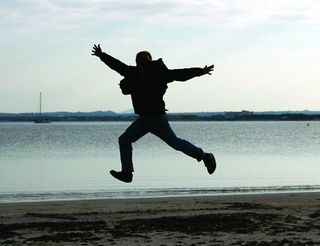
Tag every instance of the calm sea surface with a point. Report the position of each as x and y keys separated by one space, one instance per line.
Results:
x=62 y=161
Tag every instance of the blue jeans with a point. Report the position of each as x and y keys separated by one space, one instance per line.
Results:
x=159 y=126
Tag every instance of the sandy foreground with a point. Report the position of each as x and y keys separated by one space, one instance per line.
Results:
x=273 y=219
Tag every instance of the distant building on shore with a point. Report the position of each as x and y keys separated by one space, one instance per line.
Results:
x=230 y=115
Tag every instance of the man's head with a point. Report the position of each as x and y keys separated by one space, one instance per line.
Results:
x=143 y=57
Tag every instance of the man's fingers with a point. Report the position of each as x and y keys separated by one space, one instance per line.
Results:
x=97 y=47
x=96 y=50
x=208 y=69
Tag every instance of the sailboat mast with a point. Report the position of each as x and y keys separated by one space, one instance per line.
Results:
x=41 y=119
x=40 y=102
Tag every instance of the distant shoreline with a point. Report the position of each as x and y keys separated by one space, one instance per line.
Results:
x=228 y=116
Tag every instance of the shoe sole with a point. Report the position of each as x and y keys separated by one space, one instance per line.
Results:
x=114 y=174
x=214 y=165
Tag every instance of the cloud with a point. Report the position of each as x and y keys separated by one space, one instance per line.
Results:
x=243 y=13
x=62 y=15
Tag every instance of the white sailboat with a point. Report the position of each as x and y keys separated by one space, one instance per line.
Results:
x=41 y=118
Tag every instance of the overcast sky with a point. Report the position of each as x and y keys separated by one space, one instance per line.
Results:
x=266 y=53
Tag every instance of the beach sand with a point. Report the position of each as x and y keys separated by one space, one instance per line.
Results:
x=267 y=219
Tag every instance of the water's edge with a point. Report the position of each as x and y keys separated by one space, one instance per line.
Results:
x=10 y=197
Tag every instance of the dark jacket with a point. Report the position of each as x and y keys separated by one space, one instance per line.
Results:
x=149 y=82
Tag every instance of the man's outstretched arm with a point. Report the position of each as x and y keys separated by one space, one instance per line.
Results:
x=112 y=62
x=188 y=73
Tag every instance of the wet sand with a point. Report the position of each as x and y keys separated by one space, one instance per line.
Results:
x=268 y=219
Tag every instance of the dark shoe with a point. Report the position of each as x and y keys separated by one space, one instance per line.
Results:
x=122 y=176
x=209 y=162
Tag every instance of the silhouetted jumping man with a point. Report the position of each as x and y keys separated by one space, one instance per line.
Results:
x=147 y=83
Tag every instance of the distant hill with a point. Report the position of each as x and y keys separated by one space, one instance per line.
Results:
x=63 y=114
x=129 y=111
x=86 y=114
x=188 y=116
x=209 y=114
x=306 y=112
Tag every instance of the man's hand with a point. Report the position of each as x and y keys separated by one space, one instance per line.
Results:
x=207 y=70
x=97 y=50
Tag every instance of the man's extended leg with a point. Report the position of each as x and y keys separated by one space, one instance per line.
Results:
x=163 y=130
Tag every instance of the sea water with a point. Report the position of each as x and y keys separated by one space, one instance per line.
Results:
x=71 y=160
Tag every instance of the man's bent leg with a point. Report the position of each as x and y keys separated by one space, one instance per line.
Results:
x=135 y=131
